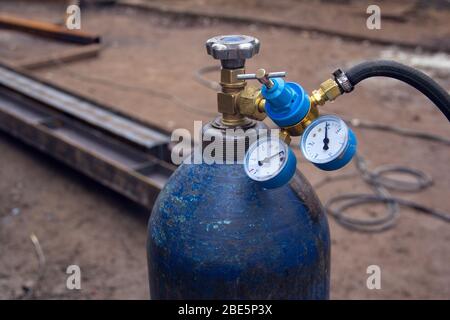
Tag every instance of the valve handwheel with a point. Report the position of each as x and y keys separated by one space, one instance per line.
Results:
x=232 y=50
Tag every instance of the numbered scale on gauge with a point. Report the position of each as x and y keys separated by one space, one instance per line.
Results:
x=328 y=143
x=270 y=162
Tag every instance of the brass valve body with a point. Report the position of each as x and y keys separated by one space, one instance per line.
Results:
x=251 y=103
x=227 y=100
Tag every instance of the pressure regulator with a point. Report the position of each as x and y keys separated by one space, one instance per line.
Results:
x=326 y=141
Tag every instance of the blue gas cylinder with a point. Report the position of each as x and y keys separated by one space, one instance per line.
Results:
x=216 y=234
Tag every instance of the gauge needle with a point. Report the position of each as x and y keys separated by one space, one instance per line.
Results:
x=326 y=140
x=260 y=163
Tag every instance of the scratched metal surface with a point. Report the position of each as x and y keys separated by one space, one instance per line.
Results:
x=82 y=109
x=215 y=234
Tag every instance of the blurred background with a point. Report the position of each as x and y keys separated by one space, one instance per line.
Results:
x=159 y=46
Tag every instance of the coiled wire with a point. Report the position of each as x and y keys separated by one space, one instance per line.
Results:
x=381 y=182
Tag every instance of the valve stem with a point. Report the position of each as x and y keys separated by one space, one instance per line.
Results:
x=263 y=77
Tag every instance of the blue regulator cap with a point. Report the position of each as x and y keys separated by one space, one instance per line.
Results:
x=286 y=102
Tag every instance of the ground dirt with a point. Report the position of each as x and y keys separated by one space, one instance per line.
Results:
x=79 y=222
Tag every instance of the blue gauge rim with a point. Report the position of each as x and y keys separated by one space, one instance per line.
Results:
x=252 y=147
x=312 y=126
x=345 y=157
x=285 y=174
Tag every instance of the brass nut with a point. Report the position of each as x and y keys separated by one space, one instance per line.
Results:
x=331 y=89
x=328 y=91
x=251 y=103
x=229 y=76
x=317 y=97
x=227 y=102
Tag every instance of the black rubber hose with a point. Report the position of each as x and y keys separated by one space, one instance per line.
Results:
x=411 y=76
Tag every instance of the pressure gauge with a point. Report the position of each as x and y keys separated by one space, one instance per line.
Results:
x=328 y=143
x=270 y=162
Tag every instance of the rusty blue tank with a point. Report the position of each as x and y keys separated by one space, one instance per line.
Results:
x=214 y=233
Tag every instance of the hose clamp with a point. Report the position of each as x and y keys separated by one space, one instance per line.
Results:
x=342 y=80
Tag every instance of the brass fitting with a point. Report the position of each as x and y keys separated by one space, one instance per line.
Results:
x=285 y=136
x=251 y=103
x=229 y=80
x=328 y=91
x=227 y=100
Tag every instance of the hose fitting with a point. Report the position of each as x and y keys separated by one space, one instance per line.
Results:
x=344 y=83
x=328 y=91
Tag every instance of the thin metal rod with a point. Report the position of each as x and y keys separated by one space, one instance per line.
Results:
x=252 y=76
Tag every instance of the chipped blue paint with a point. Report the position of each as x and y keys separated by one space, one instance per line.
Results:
x=215 y=234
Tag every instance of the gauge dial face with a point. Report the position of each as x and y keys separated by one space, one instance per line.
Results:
x=265 y=158
x=325 y=139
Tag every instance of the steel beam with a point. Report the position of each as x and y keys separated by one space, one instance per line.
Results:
x=116 y=150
